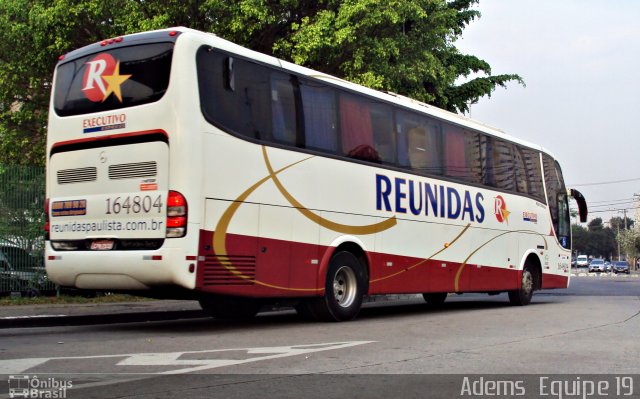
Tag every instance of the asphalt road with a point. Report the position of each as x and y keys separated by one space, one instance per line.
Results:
x=401 y=349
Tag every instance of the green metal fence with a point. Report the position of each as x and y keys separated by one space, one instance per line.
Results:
x=22 y=221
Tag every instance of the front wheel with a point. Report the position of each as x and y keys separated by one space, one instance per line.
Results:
x=344 y=290
x=522 y=296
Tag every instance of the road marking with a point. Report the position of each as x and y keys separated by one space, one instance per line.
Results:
x=177 y=359
x=32 y=317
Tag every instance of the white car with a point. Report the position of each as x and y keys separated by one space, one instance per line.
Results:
x=582 y=261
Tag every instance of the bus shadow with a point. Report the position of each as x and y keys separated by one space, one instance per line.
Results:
x=287 y=318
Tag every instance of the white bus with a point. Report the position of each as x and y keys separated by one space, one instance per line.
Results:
x=182 y=165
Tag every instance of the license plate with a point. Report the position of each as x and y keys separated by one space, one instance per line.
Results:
x=102 y=245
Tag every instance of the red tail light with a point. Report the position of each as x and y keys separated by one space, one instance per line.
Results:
x=46 y=219
x=177 y=213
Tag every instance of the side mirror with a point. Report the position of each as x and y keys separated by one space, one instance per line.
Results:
x=582 y=204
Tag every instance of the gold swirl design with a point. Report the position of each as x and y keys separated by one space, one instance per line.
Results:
x=423 y=260
x=328 y=224
x=456 y=286
x=220 y=235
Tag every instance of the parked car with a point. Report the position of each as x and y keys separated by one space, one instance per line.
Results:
x=582 y=261
x=597 y=265
x=621 y=266
x=20 y=271
x=607 y=266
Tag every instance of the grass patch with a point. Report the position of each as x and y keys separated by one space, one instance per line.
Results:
x=69 y=299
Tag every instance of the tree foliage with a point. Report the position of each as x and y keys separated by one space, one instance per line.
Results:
x=602 y=241
x=404 y=46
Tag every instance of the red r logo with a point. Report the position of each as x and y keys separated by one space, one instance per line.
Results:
x=500 y=210
x=102 y=77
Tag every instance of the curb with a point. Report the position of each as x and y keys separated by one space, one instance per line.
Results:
x=603 y=275
x=88 y=319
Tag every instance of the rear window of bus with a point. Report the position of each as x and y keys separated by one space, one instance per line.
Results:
x=118 y=78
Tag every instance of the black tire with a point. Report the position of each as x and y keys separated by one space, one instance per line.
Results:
x=523 y=295
x=435 y=298
x=230 y=308
x=344 y=290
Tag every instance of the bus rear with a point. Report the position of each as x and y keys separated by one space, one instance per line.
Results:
x=117 y=214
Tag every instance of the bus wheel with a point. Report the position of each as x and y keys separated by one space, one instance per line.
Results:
x=344 y=289
x=523 y=295
x=435 y=298
x=230 y=308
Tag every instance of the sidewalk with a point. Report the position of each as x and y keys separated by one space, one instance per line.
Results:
x=21 y=316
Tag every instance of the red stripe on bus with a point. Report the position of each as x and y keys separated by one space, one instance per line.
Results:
x=287 y=264
x=109 y=137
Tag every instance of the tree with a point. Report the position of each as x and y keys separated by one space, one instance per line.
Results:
x=629 y=243
x=596 y=240
x=580 y=239
x=595 y=225
x=404 y=46
x=618 y=223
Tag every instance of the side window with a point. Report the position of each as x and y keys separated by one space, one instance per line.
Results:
x=234 y=94
x=462 y=154
x=522 y=184
x=419 y=143
x=384 y=136
x=357 y=128
x=557 y=200
x=474 y=158
x=503 y=165
x=455 y=157
x=283 y=108
x=320 y=116
x=534 y=173
x=486 y=161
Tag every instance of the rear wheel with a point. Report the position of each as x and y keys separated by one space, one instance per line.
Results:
x=435 y=298
x=344 y=290
x=522 y=296
x=230 y=308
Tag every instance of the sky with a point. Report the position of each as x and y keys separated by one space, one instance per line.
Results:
x=579 y=60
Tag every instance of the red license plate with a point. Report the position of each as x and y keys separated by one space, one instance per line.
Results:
x=102 y=245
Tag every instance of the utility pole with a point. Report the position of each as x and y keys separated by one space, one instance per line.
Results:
x=624 y=213
x=618 y=239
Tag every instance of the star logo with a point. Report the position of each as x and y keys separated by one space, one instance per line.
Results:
x=102 y=77
x=114 y=82
x=500 y=210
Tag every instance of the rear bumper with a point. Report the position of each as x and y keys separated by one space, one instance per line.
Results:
x=120 y=270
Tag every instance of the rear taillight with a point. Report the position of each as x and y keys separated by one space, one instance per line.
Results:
x=46 y=219
x=177 y=211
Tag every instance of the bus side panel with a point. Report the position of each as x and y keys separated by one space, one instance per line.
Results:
x=554 y=281
x=269 y=274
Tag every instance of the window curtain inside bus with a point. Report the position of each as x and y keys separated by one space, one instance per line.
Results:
x=454 y=149
x=320 y=117
x=355 y=123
